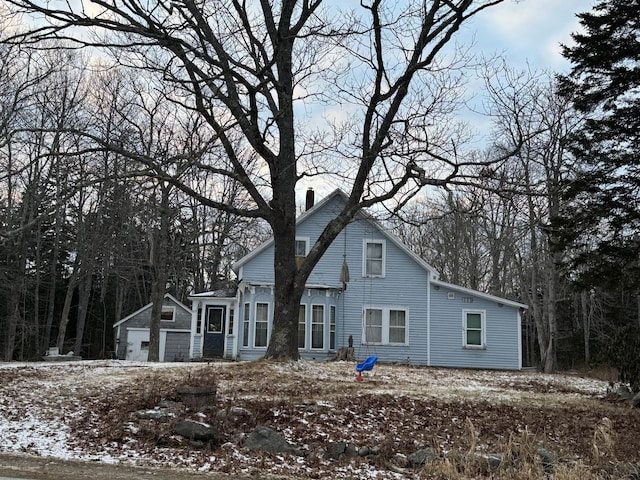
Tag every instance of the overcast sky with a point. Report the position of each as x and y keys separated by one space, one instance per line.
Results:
x=529 y=30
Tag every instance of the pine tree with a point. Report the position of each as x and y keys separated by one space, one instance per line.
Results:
x=601 y=218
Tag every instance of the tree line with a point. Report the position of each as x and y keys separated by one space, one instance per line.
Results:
x=142 y=169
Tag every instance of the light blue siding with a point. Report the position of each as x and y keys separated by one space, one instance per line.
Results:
x=434 y=322
x=502 y=331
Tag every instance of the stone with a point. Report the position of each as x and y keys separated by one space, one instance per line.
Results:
x=162 y=415
x=364 y=451
x=196 y=431
x=636 y=400
x=268 y=440
x=548 y=459
x=422 y=456
x=351 y=450
x=336 y=449
x=234 y=412
x=494 y=460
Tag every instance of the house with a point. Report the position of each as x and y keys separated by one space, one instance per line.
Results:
x=132 y=332
x=392 y=304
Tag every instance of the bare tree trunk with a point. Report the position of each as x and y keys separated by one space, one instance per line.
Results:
x=159 y=268
x=586 y=325
x=84 y=294
x=288 y=291
x=66 y=308
x=552 y=322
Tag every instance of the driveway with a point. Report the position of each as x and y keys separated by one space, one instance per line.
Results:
x=16 y=467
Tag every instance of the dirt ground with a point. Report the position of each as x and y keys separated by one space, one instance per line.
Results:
x=87 y=411
x=46 y=468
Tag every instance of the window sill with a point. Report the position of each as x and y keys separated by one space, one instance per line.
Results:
x=474 y=347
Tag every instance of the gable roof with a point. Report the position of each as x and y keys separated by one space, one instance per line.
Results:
x=148 y=305
x=362 y=214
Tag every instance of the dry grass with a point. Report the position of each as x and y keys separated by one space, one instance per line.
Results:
x=464 y=415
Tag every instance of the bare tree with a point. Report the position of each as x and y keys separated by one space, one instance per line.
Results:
x=525 y=100
x=251 y=69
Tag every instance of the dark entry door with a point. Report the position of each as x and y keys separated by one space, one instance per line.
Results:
x=214 y=332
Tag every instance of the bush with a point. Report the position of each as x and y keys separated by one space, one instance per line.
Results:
x=623 y=355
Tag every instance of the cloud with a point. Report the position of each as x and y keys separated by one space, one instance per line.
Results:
x=530 y=30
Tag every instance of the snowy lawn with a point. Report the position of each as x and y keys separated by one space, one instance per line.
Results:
x=87 y=410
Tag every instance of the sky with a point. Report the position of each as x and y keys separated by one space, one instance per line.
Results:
x=529 y=31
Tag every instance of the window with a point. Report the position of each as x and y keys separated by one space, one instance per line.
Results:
x=386 y=326
x=332 y=327
x=373 y=262
x=301 y=247
x=373 y=326
x=167 y=314
x=245 y=325
x=474 y=330
x=199 y=319
x=302 y=327
x=214 y=316
x=261 y=325
x=144 y=345
x=232 y=314
x=317 y=326
x=397 y=326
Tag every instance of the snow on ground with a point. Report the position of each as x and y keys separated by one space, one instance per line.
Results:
x=47 y=407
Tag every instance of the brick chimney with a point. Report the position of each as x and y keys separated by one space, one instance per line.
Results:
x=310 y=199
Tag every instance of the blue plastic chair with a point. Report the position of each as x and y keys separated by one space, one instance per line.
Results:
x=365 y=366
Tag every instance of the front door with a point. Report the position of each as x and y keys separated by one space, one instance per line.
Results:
x=214 y=332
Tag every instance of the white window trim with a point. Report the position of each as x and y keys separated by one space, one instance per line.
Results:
x=332 y=315
x=385 y=325
x=231 y=321
x=246 y=320
x=255 y=321
x=166 y=308
x=306 y=330
x=324 y=326
x=306 y=245
x=483 y=332
x=365 y=242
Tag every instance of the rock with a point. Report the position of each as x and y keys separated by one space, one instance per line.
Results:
x=364 y=451
x=268 y=440
x=234 y=412
x=547 y=458
x=351 y=450
x=336 y=450
x=493 y=460
x=159 y=414
x=196 y=431
x=400 y=460
x=422 y=456
x=636 y=400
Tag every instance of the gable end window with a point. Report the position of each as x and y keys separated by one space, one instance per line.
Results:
x=473 y=329
x=302 y=246
x=168 y=314
x=373 y=258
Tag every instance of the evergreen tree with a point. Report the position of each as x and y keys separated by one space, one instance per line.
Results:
x=601 y=218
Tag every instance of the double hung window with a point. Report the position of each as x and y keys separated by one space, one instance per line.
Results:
x=373 y=261
x=386 y=326
x=474 y=332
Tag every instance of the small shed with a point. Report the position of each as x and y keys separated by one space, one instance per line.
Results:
x=132 y=332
